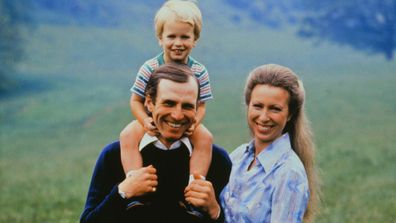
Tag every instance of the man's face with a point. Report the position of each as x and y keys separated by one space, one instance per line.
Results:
x=174 y=109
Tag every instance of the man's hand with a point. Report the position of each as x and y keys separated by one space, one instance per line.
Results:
x=200 y=193
x=139 y=182
x=149 y=127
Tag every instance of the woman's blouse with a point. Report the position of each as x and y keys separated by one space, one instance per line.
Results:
x=275 y=189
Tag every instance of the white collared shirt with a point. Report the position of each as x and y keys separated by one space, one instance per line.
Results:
x=147 y=139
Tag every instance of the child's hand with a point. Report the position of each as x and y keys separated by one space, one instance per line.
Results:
x=190 y=130
x=149 y=127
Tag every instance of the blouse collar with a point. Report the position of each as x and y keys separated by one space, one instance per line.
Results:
x=272 y=153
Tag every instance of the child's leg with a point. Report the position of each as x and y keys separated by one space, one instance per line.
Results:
x=201 y=157
x=129 y=141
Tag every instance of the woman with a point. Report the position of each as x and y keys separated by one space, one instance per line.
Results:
x=273 y=177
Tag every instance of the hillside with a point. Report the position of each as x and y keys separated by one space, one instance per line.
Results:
x=81 y=58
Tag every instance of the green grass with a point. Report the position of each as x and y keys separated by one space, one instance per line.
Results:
x=354 y=127
x=73 y=100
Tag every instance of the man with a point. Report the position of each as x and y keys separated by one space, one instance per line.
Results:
x=171 y=99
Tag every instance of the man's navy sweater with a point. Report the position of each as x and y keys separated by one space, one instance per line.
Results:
x=104 y=204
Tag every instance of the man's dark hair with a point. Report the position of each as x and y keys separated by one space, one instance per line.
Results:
x=179 y=73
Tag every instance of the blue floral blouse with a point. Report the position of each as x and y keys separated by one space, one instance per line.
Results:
x=275 y=189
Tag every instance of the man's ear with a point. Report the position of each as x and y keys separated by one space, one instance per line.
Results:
x=149 y=104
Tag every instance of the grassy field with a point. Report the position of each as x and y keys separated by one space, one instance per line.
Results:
x=73 y=99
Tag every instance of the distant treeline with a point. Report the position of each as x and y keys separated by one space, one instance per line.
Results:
x=367 y=25
x=94 y=12
x=14 y=16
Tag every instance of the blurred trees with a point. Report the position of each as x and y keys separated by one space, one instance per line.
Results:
x=13 y=16
x=367 y=25
x=76 y=12
x=98 y=13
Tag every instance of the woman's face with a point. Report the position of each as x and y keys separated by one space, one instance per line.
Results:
x=268 y=113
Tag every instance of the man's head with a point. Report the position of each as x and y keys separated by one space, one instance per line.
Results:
x=171 y=98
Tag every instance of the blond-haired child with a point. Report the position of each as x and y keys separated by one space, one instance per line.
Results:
x=177 y=25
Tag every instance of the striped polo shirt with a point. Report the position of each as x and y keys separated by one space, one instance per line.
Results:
x=149 y=66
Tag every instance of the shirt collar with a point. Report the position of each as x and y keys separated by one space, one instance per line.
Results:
x=270 y=155
x=147 y=139
x=161 y=60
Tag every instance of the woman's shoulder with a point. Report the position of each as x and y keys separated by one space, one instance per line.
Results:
x=291 y=166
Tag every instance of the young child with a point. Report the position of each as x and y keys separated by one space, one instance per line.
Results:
x=178 y=25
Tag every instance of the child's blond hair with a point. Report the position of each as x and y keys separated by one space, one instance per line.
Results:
x=180 y=11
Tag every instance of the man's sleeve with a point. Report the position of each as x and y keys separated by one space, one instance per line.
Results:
x=103 y=203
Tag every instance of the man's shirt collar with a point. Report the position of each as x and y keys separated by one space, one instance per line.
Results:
x=147 y=139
